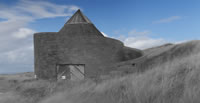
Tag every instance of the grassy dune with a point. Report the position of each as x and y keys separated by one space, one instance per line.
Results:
x=174 y=77
x=176 y=81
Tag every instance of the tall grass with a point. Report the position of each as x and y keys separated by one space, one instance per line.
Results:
x=174 y=81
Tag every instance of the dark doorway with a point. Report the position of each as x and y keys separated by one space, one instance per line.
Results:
x=72 y=72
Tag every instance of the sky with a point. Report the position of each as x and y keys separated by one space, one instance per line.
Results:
x=137 y=23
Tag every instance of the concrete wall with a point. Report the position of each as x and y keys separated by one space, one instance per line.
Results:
x=77 y=44
x=45 y=47
x=91 y=51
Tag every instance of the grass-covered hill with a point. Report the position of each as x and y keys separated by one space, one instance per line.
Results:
x=166 y=74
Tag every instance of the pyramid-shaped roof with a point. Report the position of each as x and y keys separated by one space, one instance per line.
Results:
x=77 y=18
x=83 y=26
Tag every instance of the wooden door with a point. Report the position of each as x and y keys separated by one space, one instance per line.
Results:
x=63 y=72
x=77 y=72
x=72 y=72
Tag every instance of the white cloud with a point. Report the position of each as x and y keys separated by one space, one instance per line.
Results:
x=18 y=60
x=167 y=20
x=31 y=10
x=23 y=33
x=19 y=55
x=134 y=32
x=140 y=39
x=142 y=42
x=6 y=27
x=16 y=37
x=179 y=42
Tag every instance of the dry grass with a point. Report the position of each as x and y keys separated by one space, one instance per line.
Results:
x=175 y=81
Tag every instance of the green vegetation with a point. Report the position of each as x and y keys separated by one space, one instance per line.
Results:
x=173 y=78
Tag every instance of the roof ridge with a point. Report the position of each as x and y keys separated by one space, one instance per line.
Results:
x=78 y=17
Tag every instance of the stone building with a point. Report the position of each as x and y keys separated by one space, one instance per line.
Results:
x=77 y=51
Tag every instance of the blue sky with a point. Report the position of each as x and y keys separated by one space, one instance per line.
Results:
x=138 y=23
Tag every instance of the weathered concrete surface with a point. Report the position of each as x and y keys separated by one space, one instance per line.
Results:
x=45 y=47
x=79 y=43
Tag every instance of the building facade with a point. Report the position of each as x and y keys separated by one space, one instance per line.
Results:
x=77 y=51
